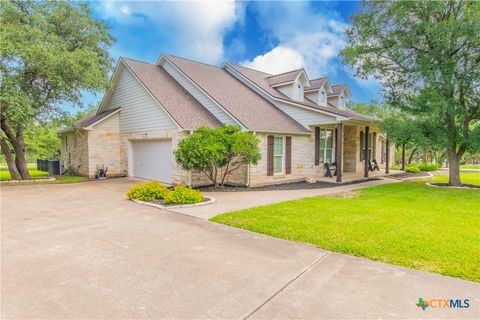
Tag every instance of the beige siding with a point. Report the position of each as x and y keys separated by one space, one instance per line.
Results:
x=305 y=116
x=139 y=111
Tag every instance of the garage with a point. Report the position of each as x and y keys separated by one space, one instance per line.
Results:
x=152 y=160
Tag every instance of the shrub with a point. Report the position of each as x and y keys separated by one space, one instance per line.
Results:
x=220 y=150
x=412 y=168
x=428 y=167
x=147 y=191
x=395 y=167
x=183 y=194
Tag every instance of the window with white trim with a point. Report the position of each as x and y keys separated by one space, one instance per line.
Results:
x=298 y=90
x=327 y=146
x=278 y=155
x=322 y=96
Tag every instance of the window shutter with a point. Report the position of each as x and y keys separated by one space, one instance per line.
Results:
x=269 y=155
x=374 y=146
x=317 y=146
x=362 y=143
x=288 y=155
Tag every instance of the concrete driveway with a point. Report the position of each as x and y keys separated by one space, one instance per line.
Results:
x=84 y=251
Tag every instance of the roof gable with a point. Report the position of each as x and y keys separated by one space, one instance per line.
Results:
x=249 y=108
x=178 y=103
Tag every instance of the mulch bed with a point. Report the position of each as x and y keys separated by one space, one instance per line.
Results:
x=284 y=186
x=162 y=202
x=404 y=175
x=464 y=185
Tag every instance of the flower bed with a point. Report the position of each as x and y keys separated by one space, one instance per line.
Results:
x=157 y=193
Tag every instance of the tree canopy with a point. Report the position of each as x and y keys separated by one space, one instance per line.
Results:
x=50 y=53
x=427 y=56
x=218 y=152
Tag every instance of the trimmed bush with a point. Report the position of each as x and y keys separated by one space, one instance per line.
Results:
x=183 y=194
x=412 y=168
x=147 y=191
x=428 y=166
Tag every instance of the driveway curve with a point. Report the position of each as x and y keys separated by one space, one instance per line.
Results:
x=84 y=251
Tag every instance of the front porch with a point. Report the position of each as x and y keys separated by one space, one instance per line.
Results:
x=361 y=147
x=348 y=177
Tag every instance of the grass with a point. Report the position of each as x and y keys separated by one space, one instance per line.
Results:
x=465 y=177
x=407 y=224
x=5 y=175
x=470 y=166
x=69 y=179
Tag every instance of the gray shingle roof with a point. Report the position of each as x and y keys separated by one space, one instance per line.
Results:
x=244 y=104
x=337 y=88
x=186 y=111
x=88 y=120
x=283 y=77
x=317 y=83
x=259 y=78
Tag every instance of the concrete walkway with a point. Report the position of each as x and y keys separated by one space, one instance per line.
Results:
x=232 y=201
x=82 y=251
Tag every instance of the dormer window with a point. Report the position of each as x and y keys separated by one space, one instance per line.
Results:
x=298 y=91
x=322 y=97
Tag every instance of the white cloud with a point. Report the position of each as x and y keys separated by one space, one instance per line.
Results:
x=195 y=29
x=316 y=37
x=278 y=60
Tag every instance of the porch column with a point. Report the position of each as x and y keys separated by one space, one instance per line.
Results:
x=339 y=151
x=387 y=156
x=403 y=157
x=365 y=152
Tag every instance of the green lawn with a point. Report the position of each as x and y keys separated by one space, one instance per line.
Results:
x=470 y=166
x=5 y=175
x=465 y=177
x=407 y=224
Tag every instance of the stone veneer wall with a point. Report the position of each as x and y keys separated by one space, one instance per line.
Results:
x=349 y=148
x=75 y=153
x=303 y=153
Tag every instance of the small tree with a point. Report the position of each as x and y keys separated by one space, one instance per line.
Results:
x=218 y=152
x=51 y=51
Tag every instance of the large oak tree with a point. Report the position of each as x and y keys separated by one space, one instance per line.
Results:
x=427 y=56
x=50 y=52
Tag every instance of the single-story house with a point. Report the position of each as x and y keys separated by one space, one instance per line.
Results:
x=302 y=123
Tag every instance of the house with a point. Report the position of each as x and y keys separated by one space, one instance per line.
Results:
x=149 y=108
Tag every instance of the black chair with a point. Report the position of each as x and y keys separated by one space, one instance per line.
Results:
x=373 y=165
x=329 y=167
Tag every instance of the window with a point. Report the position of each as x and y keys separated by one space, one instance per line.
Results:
x=66 y=143
x=362 y=145
x=327 y=151
x=278 y=155
x=322 y=96
x=297 y=90
x=342 y=102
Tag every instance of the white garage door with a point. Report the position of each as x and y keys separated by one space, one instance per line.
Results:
x=152 y=160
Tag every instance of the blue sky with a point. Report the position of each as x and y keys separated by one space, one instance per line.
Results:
x=270 y=36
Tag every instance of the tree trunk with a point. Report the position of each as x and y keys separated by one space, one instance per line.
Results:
x=12 y=166
x=18 y=144
x=411 y=155
x=454 y=168
x=19 y=147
